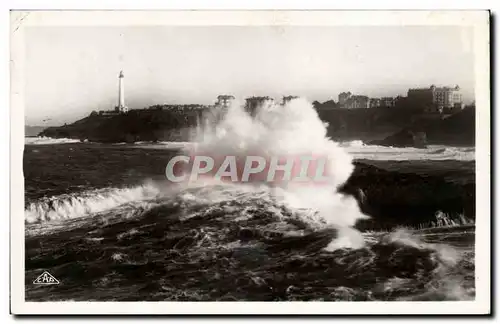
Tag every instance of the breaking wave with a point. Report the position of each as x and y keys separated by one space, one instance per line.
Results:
x=164 y=145
x=77 y=205
x=42 y=140
x=235 y=242
x=294 y=130
x=359 y=150
x=241 y=241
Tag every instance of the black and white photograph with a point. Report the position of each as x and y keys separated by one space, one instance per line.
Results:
x=339 y=158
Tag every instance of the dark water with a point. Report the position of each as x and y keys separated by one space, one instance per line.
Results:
x=103 y=222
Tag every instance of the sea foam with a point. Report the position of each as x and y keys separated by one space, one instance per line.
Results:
x=42 y=140
x=360 y=150
x=86 y=203
x=292 y=129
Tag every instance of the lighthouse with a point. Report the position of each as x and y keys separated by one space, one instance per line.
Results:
x=121 y=95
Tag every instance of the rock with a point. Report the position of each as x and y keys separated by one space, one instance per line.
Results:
x=402 y=198
x=136 y=125
x=457 y=129
x=404 y=138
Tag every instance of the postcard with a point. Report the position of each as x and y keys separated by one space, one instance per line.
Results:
x=250 y=162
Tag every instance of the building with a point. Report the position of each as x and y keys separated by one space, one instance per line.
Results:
x=374 y=103
x=287 y=99
x=254 y=103
x=355 y=102
x=349 y=101
x=343 y=97
x=224 y=100
x=121 y=95
x=387 y=102
x=437 y=99
x=448 y=98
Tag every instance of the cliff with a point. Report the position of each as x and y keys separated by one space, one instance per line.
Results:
x=136 y=125
x=457 y=129
x=412 y=192
x=395 y=126
x=404 y=138
x=368 y=124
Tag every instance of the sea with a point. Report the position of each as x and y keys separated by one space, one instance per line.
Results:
x=103 y=221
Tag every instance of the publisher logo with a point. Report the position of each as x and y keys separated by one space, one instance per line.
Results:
x=46 y=279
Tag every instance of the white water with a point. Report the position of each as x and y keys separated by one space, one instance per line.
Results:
x=163 y=145
x=294 y=129
x=48 y=140
x=359 y=150
x=87 y=203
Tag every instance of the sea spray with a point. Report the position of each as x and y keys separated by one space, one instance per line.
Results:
x=221 y=241
x=291 y=129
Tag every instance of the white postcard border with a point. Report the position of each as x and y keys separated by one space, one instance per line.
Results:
x=478 y=19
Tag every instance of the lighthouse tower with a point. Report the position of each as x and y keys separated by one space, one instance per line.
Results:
x=121 y=95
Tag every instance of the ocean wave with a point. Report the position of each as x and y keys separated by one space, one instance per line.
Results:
x=42 y=140
x=239 y=241
x=359 y=150
x=353 y=143
x=439 y=151
x=226 y=242
x=87 y=203
x=208 y=199
x=164 y=145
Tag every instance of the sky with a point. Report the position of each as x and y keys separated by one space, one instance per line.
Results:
x=71 y=71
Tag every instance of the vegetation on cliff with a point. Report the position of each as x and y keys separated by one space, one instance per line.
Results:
x=392 y=126
x=154 y=124
x=365 y=124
